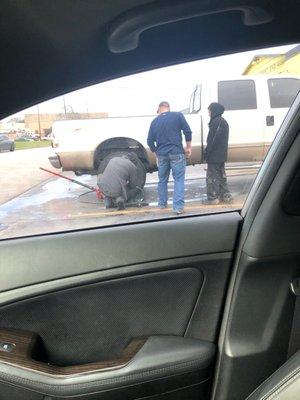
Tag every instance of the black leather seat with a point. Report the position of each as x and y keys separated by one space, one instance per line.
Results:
x=284 y=384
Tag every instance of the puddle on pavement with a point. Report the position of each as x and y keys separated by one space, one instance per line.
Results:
x=58 y=204
x=52 y=190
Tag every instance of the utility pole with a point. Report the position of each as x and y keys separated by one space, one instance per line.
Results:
x=65 y=108
x=39 y=121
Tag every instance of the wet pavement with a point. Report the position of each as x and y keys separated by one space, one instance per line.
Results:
x=58 y=205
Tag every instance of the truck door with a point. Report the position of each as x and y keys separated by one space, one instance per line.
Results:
x=244 y=115
x=281 y=94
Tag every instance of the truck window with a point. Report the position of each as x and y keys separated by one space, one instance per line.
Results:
x=237 y=94
x=282 y=91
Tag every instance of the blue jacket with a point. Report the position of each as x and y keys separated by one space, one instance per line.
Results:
x=165 y=133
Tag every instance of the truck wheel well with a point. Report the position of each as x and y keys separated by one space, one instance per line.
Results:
x=120 y=144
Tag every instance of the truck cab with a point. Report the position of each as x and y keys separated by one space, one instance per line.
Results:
x=255 y=107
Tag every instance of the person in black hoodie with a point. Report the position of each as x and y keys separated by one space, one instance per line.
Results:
x=215 y=155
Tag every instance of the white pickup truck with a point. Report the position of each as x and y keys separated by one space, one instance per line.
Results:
x=255 y=108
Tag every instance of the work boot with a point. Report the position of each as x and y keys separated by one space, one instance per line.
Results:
x=120 y=203
x=211 y=202
x=178 y=212
x=227 y=200
x=108 y=201
x=140 y=196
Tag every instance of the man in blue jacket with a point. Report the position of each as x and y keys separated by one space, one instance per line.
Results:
x=165 y=140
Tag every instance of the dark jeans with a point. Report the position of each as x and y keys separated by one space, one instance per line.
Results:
x=216 y=182
x=131 y=194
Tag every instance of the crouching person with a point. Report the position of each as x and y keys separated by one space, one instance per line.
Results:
x=118 y=182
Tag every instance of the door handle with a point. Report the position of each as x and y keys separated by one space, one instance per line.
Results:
x=16 y=348
x=124 y=32
x=153 y=358
x=270 y=120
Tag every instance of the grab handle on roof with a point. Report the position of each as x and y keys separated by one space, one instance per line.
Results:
x=125 y=30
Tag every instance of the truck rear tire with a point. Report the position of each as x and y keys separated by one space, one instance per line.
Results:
x=133 y=158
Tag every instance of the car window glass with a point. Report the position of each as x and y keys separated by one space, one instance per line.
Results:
x=237 y=94
x=283 y=91
x=90 y=158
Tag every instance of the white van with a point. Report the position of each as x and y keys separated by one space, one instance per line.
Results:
x=255 y=108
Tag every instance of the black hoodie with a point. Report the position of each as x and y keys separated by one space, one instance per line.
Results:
x=217 y=139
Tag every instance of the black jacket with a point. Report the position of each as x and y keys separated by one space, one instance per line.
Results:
x=119 y=174
x=217 y=139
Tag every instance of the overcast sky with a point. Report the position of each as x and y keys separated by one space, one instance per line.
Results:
x=139 y=94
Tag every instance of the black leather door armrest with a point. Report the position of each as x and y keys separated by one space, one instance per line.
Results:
x=160 y=357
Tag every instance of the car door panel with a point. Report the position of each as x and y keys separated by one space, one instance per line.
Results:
x=47 y=257
x=75 y=327
x=116 y=310
x=88 y=311
x=132 y=392
x=259 y=327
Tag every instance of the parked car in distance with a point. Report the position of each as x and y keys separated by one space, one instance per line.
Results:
x=6 y=144
x=24 y=138
x=50 y=138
